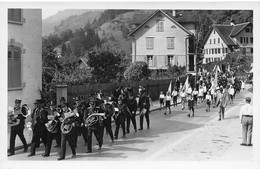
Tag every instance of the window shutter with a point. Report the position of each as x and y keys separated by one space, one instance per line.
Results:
x=14 y=68
x=166 y=60
x=155 y=60
x=15 y=15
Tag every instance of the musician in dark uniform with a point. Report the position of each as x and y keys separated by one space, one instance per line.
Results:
x=17 y=128
x=39 y=118
x=144 y=105
x=132 y=107
x=79 y=124
x=96 y=106
x=54 y=128
x=120 y=117
x=109 y=111
x=68 y=119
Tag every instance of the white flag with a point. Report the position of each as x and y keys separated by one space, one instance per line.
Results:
x=170 y=87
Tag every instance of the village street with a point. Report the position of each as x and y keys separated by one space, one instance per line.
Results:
x=171 y=137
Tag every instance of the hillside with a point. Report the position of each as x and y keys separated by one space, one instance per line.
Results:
x=77 y=21
x=54 y=20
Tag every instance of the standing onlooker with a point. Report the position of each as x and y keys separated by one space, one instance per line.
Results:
x=161 y=98
x=183 y=99
x=246 y=118
x=190 y=105
x=168 y=102
x=144 y=106
x=231 y=92
x=175 y=95
x=222 y=102
x=208 y=101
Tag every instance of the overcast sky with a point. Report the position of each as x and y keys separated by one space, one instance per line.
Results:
x=48 y=12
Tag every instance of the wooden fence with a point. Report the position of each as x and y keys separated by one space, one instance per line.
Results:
x=152 y=86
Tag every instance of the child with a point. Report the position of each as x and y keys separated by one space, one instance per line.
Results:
x=190 y=105
x=183 y=99
x=161 y=98
x=208 y=101
x=195 y=95
x=175 y=95
x=168 y=102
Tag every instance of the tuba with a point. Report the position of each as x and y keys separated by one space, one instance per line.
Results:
x=25 y=111
x=52 y=125
x=67 y=123
x=94 y=119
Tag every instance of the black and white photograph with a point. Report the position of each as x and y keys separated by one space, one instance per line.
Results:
x=130 y=84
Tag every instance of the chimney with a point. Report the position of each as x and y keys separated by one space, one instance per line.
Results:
x=173 y=13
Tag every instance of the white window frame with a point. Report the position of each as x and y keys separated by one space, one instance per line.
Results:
x=170 y=42
x=160 y=26
x=149 y=43
x=150 y=60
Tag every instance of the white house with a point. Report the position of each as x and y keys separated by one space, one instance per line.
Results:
x=222 y=39
x=24 y=55
x=161 y=41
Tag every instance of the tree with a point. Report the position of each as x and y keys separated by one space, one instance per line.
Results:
x=105 y=64
x=137 y=71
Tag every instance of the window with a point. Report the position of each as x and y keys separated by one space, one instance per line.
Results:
x=218 y=50
x=210 y=41
x=226 y=50
x=214 y=41
x=14 y=67
x=241 y=39
x=218 y=40
x=249 y=30
x=214 y=31
x=212 y=51
x=223 y=50
x=15 y=15
x=170 y=43
x=251 y=39
x=209 y=51
x=251 y=50
x=159 y=27
x=170 y=60
x=150 y=60
x=246 y=39
x=206 y=51
x=150 y=43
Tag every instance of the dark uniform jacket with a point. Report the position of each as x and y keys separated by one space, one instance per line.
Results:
x=39 y=118
x=144 y=102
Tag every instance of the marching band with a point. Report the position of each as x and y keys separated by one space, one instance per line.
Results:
x=62 y=124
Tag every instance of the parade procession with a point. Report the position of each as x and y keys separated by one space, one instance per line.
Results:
x=129 y=84
x=63 y=123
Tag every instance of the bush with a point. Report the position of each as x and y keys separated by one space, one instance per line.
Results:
x=137 y=71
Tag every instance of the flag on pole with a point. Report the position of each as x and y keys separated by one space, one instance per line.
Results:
x=216 y=79
x=170 y=87
x=185 y=87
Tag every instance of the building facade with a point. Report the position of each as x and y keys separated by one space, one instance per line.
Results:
x=24 y=55
x=161 y=41
x=223 y=39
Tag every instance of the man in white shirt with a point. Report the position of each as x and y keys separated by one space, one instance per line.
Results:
x=246 y=118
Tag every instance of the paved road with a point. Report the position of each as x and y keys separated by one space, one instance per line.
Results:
x=171 y=137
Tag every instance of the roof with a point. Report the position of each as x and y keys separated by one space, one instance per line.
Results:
x=226 y=32
x=167 y=15
x=238 y=28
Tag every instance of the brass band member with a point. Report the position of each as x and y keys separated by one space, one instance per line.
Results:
x=132 y=106
x=144 y=105
x=98 y=128
x=79 y=124
x=17 y=127
x=120 y=117
x=69 y=115
x=39 y=118
x=110 y=110
x=53 y=127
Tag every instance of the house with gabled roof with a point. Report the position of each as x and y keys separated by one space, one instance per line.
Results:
x=223 y=39
x=160 y=41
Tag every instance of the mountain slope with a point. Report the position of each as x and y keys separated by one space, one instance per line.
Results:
x=49 y=23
